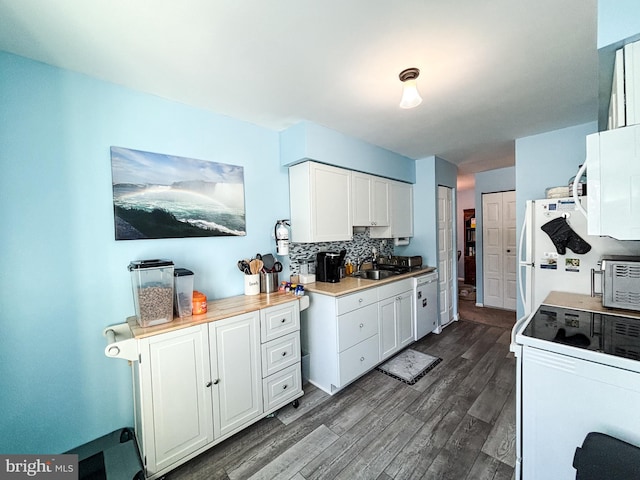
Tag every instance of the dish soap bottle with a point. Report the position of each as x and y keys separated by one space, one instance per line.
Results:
x=348 y=268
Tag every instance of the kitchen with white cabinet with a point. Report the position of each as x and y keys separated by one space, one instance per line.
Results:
x=58 y=125
x=200 y=379
x=354 y=325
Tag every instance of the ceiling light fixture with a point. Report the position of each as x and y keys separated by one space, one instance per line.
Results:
x=410 y=96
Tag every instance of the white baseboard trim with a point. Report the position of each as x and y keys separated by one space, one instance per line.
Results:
x=479 y=304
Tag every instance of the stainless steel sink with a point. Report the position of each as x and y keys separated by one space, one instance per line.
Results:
x=374 y=274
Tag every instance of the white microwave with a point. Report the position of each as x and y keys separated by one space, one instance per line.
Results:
x=621 y=282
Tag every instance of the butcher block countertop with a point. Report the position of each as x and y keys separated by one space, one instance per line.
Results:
x=585 y=302
x=216 y=310
x=354 y=284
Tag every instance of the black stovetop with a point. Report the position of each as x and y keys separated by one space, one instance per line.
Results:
x=611 y=334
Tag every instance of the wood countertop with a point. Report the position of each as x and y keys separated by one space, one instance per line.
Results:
x=216 y=310
x=585 y=302
x=354 y=284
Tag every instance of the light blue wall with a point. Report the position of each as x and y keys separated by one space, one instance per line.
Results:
x=430 y=172
x=308 y=141
x=617 y=20
x=499 y=180
x=547 y=160
x=64 y=277
x=424 y=213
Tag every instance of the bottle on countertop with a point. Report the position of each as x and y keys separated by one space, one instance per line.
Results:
x=348 y=267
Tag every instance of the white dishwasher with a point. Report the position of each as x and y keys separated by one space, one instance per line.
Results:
x=425 y=315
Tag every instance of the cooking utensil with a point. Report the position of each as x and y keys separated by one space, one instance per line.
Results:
x=277 y=267
x=255 y=266
x=243 y=266
x=269 y=260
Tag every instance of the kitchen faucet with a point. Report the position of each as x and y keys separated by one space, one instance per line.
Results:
x=360 y=263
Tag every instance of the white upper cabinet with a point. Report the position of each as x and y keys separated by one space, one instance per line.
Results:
x=320 y=203
x=370 y=200
x=400 y=212
x=613 y=182
x=624 y=103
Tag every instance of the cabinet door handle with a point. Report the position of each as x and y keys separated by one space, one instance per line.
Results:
x=361 y=325
x=208 y=384
x=283 y=320
x=216 y=381
x=362 y=359
x=360 y=300
x=284 y=354
x=284 y=387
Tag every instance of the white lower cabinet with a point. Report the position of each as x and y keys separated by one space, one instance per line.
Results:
x=281 y=371
x=396 y=326
x=349 y=335
x=196 y=386
x=236 y=373
x=357 y=360
x=282 y=387
x=173 y=413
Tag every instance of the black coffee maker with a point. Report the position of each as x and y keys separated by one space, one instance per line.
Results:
x=328 y=266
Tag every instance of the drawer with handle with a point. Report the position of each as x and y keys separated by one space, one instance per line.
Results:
x=358 y=359
x=279 y=320
x=347 y=303
x=357 y=325
x=280 y=353
x=281 y=387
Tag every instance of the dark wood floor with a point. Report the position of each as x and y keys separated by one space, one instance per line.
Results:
x=457 y=422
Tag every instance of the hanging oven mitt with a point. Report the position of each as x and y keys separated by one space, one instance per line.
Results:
x=558 y=231
x=563 y=236
x=576 y=244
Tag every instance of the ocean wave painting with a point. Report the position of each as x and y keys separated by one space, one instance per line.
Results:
x=164 y=196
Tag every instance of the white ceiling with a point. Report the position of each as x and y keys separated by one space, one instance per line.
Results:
x=491 y=70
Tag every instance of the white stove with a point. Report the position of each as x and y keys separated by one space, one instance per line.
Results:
x=577 y=372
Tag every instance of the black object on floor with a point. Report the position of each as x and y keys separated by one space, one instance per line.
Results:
x=113 y=456
x=605 y=457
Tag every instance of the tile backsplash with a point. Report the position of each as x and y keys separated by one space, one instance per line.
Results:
x=360 y=247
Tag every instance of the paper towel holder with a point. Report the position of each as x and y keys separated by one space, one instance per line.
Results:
x=120 y=342
x=401 y=241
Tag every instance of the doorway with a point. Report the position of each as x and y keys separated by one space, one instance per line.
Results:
x=499 y=249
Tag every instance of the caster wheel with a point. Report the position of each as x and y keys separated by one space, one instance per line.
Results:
x=296 y=403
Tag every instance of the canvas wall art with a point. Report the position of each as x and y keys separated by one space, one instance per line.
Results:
x=165 y=196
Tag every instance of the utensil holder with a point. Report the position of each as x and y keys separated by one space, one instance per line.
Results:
x=268 y=282
x=252 y=284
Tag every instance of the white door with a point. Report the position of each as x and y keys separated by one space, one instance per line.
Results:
x=236 y=371
x=405 y=306
x=388 y=328
x=176 y=369
x=510 y=259
x=499 y=249
x=445 y=254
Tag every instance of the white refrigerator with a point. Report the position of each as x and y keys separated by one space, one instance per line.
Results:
x=542 y=269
